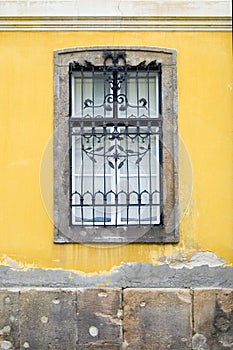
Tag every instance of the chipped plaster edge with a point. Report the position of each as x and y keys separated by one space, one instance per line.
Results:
x=127 y=275
x=199 y=258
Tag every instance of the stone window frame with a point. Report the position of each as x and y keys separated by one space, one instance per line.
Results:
x=168 y=231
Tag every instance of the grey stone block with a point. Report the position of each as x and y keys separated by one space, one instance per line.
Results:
x=213 y=319
x=48 y=319
x=157 y=319
x=9 y=319
x=91 y=318
x=106 y=346
x=99 y=318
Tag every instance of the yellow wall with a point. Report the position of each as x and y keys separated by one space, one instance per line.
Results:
x=26 y=105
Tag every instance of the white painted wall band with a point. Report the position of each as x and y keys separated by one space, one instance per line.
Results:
x=110 y=15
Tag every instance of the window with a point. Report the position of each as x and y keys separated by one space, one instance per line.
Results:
x=114 y=146
x=115 y=130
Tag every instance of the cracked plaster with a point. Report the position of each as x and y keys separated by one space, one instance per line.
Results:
x=211 y=273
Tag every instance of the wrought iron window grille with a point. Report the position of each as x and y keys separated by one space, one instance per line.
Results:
x=115 y=157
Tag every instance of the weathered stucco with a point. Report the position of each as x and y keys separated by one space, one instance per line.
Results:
x=124 y=276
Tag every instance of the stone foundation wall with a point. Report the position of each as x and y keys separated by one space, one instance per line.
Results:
x=116 y=318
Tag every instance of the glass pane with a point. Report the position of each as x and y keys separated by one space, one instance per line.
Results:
x=123 y=215
x=155 y=214
x=88 y=86
x=98 y=89
x=77 y=95
x=133 y=215
x=88 y=214
x=153 y=95
x=145 y=214
x=76 y=215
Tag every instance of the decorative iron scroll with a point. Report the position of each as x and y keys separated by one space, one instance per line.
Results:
x=116 y=152
x=115 y=73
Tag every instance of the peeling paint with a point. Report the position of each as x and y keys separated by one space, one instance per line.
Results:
x=197 y=259
x=125 y=275
x=13 y=264
x=10 y=262
x=19 y=266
